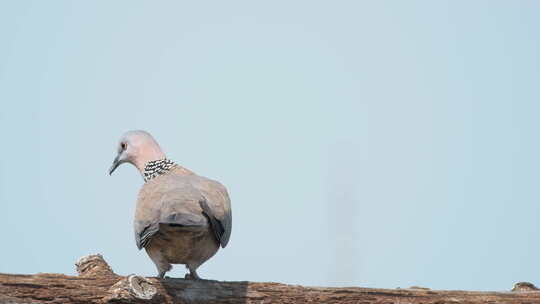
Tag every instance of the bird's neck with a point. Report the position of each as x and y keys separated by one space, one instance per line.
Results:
x=146 y=154
x=157 y=167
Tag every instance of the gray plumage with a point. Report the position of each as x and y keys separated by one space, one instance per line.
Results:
x=181 y=218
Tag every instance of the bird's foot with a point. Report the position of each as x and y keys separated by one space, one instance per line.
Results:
x=190 y=276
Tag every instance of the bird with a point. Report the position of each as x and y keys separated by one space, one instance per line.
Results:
x=180 y=217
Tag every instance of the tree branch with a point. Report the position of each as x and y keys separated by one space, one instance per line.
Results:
x=97 y=283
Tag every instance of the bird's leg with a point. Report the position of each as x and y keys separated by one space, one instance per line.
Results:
x=192 y=275
x=162 y=269
x=159 y=260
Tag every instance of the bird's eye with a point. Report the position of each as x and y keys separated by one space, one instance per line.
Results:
x=123 y=145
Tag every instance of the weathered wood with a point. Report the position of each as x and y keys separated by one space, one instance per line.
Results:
x=97 y=283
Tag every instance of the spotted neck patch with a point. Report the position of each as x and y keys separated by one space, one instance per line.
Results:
x=157 y=167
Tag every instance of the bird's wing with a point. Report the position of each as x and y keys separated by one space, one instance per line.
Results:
x=216 y=206
x=167 y=201
x=143 y=236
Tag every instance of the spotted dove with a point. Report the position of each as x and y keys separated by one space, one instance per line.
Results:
x=181 y=217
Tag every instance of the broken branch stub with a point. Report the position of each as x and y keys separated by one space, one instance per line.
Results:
x=93 y=265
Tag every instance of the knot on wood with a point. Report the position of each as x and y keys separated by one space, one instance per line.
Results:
x=524 y=286
x=93 y=265
x=131 y=289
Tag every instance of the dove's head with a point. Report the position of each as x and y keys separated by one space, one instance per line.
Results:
x=137 y=148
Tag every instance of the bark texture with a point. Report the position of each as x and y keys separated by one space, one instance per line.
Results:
x=97 y=283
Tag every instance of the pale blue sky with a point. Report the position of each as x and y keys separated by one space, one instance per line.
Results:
x=378 y=144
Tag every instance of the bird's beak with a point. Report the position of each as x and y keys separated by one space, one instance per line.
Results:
x=115 y=164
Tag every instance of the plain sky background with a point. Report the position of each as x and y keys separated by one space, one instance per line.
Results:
x=378 y=144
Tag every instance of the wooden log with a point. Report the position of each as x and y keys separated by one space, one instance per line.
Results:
x=97 y=283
